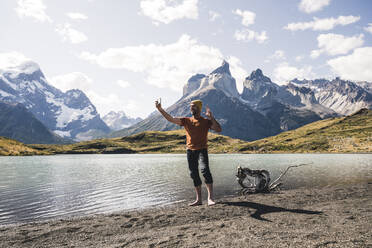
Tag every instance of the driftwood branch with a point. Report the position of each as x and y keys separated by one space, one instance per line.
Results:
x=260 y=179
x=276 y=182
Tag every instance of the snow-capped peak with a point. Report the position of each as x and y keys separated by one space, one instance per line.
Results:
x=221 y=79
x=224 y=68
x=69 y=113
x=26 y=67
x=119 y=120
x=192 y=84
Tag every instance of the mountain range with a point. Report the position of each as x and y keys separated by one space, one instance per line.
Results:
x=16 y=122
x=119 y=120
x=264 y=108
x=68 y=114
x=324 y=136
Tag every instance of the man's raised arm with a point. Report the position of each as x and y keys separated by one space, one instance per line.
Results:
x=166 y=115
x=215 y=125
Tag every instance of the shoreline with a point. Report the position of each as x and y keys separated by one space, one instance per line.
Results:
x=183 y=153
x=335 y=216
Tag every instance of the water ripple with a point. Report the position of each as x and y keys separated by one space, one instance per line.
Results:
x=40 y=188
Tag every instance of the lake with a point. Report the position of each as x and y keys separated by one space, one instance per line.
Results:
x=42 y=187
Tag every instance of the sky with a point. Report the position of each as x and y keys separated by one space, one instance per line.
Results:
x=125 y=54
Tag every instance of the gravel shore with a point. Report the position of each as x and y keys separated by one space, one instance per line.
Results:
x=337 y=216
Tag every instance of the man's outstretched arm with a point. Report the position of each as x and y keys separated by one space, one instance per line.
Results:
x=166 y=115
x=215 y=125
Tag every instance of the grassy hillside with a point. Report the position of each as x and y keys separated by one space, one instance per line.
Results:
x=347 y=134
x=146 y=142
x=336 y=135
x=10 y=147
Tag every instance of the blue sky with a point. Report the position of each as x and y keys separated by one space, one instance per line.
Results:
x=124 y=54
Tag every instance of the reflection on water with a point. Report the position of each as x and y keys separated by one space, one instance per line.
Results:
x=39 y=188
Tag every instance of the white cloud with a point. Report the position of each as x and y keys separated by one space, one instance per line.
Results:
x=213 y=15
x=334 y=44
x=132 y=107
x=112 y=102
x=166 y=11
x=278 y=54
x=284 y=73
x=123 y=84
x=163 y=65
x=73 y=80
x=315 y=54
x=310 y=6
x=322 y=24
x=11 y=59
x=249 y=35
x=32 y=8
x=299 y=58
x=70 y=34
x=356 y=66
x=77 y=16
x=369 y=28
x=248 y=17
x=105 y=103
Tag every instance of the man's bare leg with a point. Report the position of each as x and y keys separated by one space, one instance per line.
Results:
x=210 y=194
x=198 y=200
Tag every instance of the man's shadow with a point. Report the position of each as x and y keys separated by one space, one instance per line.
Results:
x=265 y=209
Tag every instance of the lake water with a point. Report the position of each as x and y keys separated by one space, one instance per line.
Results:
x=43 y=187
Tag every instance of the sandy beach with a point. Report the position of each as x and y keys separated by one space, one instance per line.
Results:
x=337 y=216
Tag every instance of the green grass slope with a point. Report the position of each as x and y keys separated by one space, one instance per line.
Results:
x=336 y=135
x=9 y=147
x=145 y=142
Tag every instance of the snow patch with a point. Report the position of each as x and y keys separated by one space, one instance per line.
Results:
x=38 y=85
x=5 y=94
x=25 y=85
x=63 y=133
x=13 y=86
x=67 y=115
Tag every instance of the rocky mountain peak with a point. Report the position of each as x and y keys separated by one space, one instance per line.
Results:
x=195 y=78
x=67 y=114
x=223 y=69
x=113 y=114
x=77 y=99
x=119 y=120
x=18 y=123
x=29 y=66
x=258 y=76
x=192 y=84
x=220 y=79
x=25 y=68
x=257 y=87
x=341 y=96
x=300 y=89
x=297 y=81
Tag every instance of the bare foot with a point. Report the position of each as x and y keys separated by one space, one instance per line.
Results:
x=211 y=202
x=195 y=203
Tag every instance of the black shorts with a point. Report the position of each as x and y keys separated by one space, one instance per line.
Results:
x=193 y=158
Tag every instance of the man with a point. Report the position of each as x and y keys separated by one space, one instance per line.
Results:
x=196 y=142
